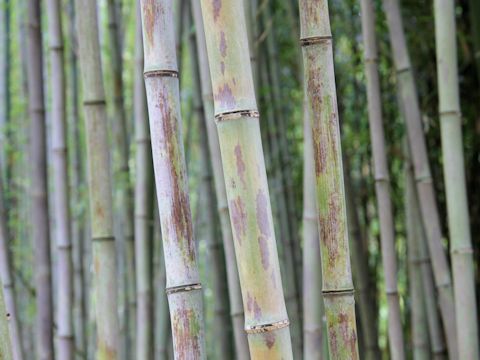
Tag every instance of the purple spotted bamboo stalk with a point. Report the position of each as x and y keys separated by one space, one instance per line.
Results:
x=99 y=181
x=162 y=87
x=316 y=41
x=236 y=114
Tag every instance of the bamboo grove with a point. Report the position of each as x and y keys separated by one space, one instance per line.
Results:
x=239 y=179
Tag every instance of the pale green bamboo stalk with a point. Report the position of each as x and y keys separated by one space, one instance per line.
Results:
x=314 y=346
x=100 y=188
x=5 y=343
x=39 y=185
x=455 y=184
x=266 y=320
x=418 y=315
x=410 y=107
x=234 y=292
x=382 y=181
x=162 y=86
x=316 y=41
x=123 y=193
x=363 y=293
x=65 y=334
x=143 y=208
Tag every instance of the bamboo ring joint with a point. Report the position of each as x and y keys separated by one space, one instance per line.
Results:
x=342 y=292
x=236 y=115
x=160 y=73
x=103 y=238
x=315 y=40
x=183 y=288
x=259 y=329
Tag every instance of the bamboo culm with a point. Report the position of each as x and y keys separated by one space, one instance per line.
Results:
x=39 y=194
x=316 y=41
x=266 y=320
x=143 y=209
x=455 y=184
x=100 y=187
x=60 y=176
x=408 y=99
x=234 y=292
x=5 y=343
x=162 y=88
x=382 y=181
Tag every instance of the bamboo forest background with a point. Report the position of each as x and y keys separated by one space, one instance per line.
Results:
x=276 y=59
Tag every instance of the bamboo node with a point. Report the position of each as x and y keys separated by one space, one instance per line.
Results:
x=160 y=73
x=312 y=40
x=183 y=288
x=103 y=238
x=236 y=115
x=342 y=292
x=467 y=250
x=94 y=102
x=402 y=70
x=259 y=329
x=451 y=112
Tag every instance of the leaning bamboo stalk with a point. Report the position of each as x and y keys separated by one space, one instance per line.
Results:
x=39 y=195
x=143 y=208
x=382 y=181
x=162 y=87
x=236 y=114
x=215 y=256
x=60 y=179
x=408 y=98
x=313 y=309
x=7 y=282
x=235 y=296
x=455 y=184
x=316 y=41
x=100 y=188
x=6 y=352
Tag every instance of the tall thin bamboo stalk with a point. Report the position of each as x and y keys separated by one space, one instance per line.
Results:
x=365 y=298
x=6 y=352
x=124 y=195
x=78 y=226
x=7 y=281
x=382 y=181
x=408 y=98
x=38 y=176
x=316 y=41
x=60 y=178
x=454 y=170
x=234 y=292
x=100 y=188
x=414 y=222
x=418 y=314
x=215 y=256
x=143 y=208
x=5 y=101
x=162 y=86
x=313 y=309
x=236 y=114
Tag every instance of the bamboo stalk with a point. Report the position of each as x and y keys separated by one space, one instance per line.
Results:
x=162 y=85
x=313 y=308
x=38 y=176
x=143 y=208
x=323 y=113
x=382 y=181
x=215 y=255
x=234 y=292
x=5 y=343
x=236 y=113
x=78 y=225
x=124 y=193
x=455 y=184
x=60 y=176
x=408 y=98
x=100 y=188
